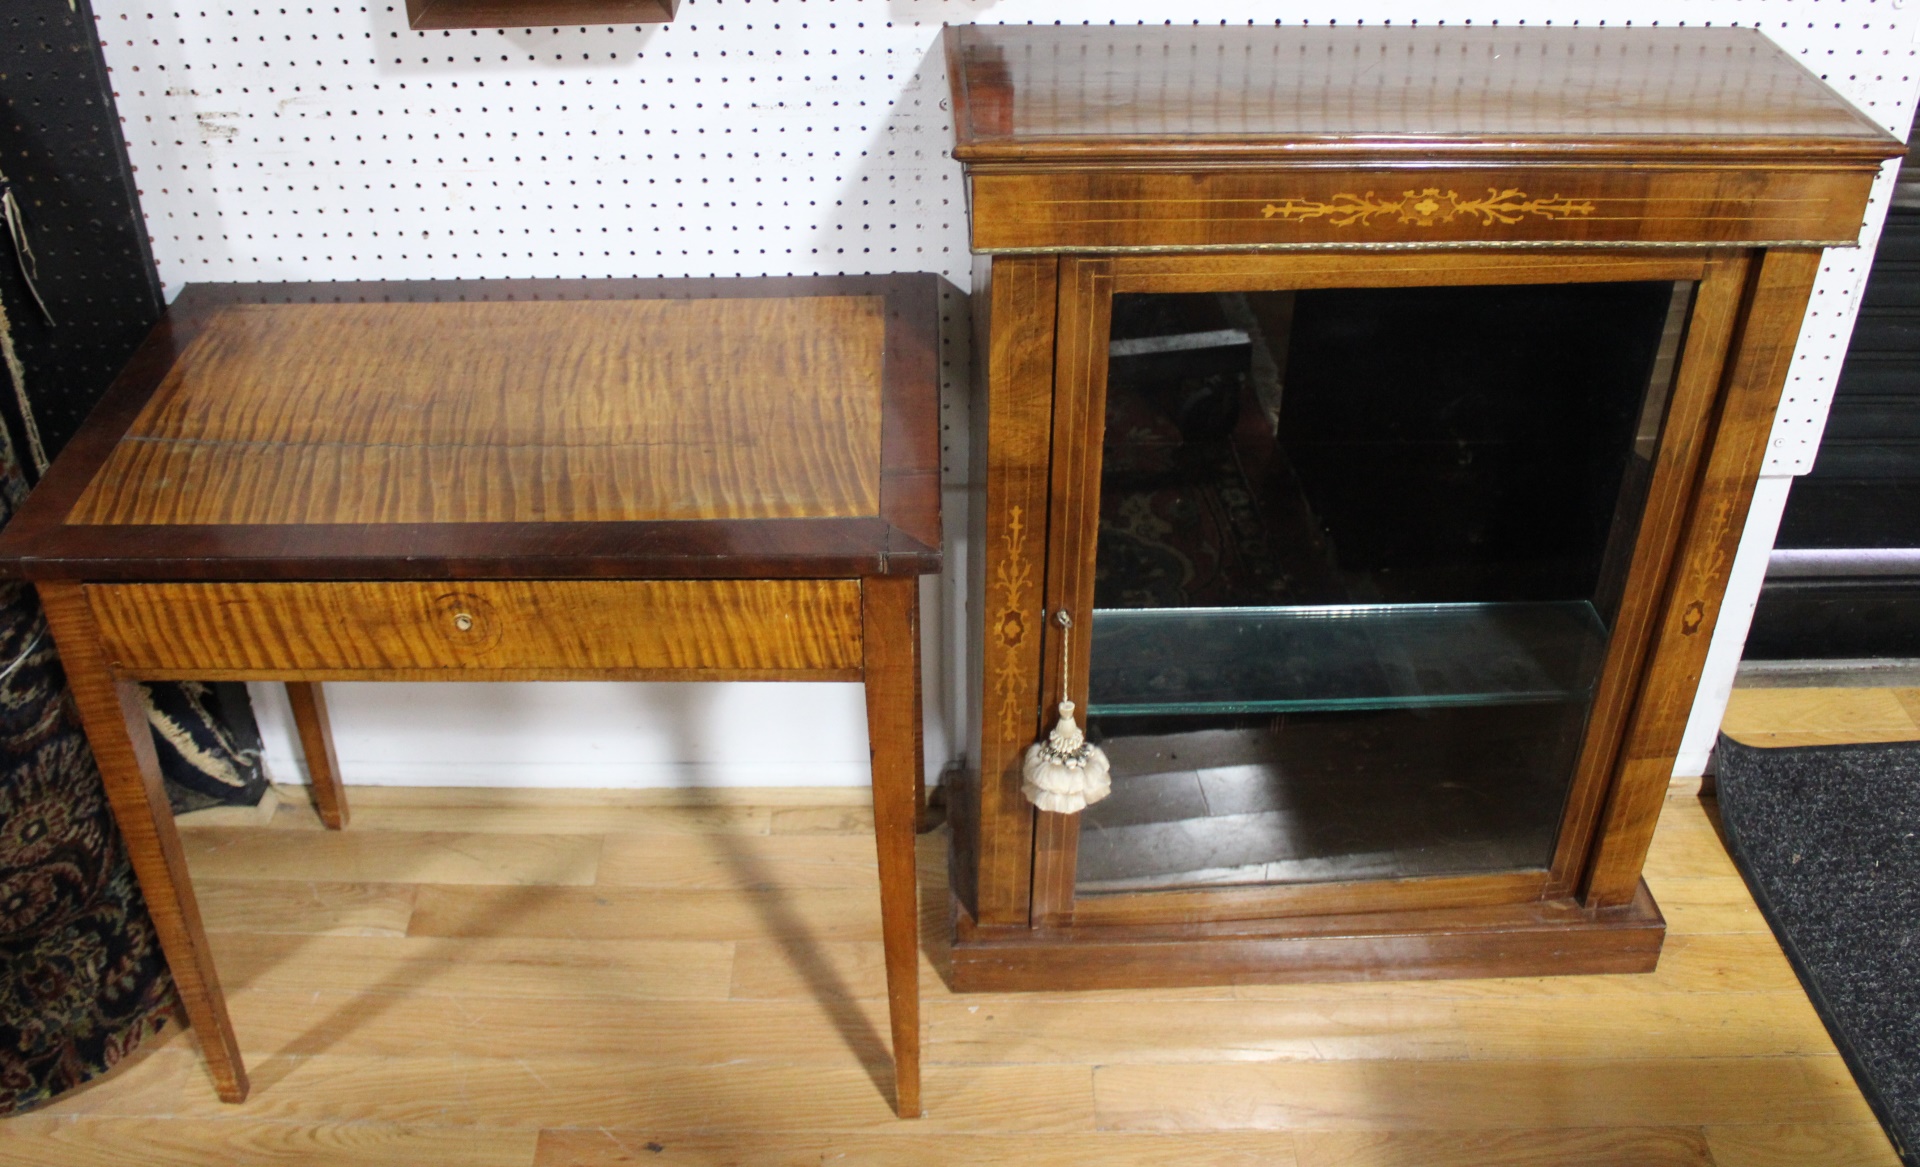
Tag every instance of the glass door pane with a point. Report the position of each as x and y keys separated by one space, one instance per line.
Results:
x=1359 y=556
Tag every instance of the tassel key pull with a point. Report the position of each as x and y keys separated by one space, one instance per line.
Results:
x=1066 y=773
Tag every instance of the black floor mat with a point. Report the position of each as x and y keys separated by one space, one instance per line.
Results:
x=1828 y=838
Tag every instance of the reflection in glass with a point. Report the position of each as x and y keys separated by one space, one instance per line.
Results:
x=1360 y=553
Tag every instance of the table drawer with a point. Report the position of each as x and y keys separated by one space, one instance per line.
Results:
x=517 y=629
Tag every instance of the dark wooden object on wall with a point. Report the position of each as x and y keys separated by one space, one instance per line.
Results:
x=536 y=13
x=1105 y=161
x=514 y=480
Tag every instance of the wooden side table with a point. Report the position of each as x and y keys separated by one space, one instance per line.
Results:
x=510 y=480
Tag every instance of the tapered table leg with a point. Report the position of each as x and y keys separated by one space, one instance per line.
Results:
x=921 y=820
x=890 y=608
x=316 y=741
x=116 y=725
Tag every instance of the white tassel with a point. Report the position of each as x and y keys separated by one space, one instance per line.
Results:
x=1066 y=773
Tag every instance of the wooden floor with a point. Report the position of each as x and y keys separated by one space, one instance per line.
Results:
x=1822 y=717
x=520 y=977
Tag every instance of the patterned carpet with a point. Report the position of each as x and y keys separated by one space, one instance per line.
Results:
x=82 y=979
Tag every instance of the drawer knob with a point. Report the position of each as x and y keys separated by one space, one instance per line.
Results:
x=462 y=621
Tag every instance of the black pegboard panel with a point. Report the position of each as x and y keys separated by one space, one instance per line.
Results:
x=60 y=144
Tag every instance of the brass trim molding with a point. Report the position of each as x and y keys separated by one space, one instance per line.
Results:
x=1422 y=245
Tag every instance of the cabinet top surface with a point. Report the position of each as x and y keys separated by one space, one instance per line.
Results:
x=1027 y=92
x=453 y=407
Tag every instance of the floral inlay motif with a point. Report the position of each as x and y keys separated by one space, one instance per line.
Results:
x=1012 y=577
x=1426 y=207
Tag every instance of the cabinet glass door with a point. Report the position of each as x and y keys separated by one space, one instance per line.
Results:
x=1359 y=556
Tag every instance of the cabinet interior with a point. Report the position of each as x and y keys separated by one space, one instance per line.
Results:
x=1359 y=555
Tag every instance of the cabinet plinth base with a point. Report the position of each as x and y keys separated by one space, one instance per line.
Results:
x=1524 y=940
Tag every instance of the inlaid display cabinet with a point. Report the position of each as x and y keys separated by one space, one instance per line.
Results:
x=1368 y=417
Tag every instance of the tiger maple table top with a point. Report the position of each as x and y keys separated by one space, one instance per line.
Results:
x=509 y=429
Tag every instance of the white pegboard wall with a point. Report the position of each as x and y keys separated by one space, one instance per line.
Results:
x=446 y=159
x=748 y=137
x=1875 y=63
x=1817 y=357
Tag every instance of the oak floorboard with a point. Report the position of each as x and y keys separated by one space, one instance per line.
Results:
x=1861 y=1144
x=616 y=1148
x=1699 y=905
x=1678 y=857
x=1687 y=844
x=39 y=1140
x=386 y=856
x=541 y=969
x=822 y=820
x=1592 y=1147
x=305 y=907
x=792 y=969
x=714 y=863
x=776 y=969
x=1476 y=1095
x=1818 y=717
x=621 y=913
x=1909 y=700
x=1737 y=962
x=758 y=799
x=508 y=818
x=644 y=1031
x=524 y=1093
x=1016 y=1030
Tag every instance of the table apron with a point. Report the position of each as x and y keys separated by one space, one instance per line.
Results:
x=708 y=630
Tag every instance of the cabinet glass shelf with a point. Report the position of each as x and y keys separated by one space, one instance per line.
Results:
x=1152 y=661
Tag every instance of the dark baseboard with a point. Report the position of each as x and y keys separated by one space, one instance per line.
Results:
x=1836 y=619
